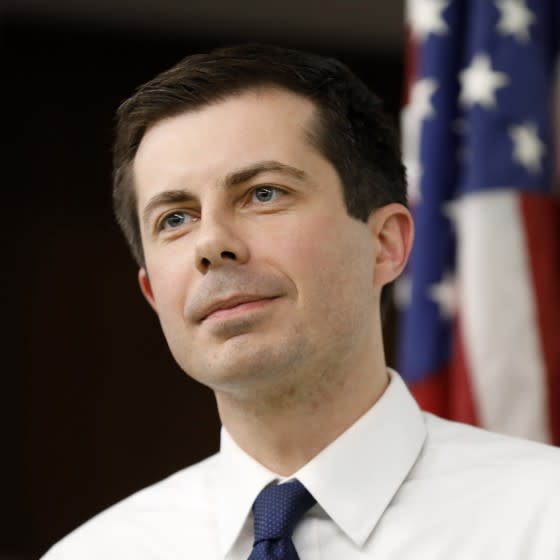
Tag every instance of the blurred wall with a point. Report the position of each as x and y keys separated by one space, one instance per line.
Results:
x=94 y=408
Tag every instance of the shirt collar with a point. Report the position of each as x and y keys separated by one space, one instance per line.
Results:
x=383 y=446
x=240 y=479
x=355 y=478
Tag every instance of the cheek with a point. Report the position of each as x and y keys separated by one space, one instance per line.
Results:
x=323 y=254
x=169 y=280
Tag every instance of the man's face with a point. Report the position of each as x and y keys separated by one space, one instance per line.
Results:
x=253 y=265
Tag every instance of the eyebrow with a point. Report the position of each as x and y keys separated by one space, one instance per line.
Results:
x=243 y=175
x=247 y=173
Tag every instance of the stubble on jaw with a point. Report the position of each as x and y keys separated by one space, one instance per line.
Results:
x=257 y=376
x=276 y=381
x=267 y=376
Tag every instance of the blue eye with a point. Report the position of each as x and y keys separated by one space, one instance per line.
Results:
x=174 y=220
x=266 y=194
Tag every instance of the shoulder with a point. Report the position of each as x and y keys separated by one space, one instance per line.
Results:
x=495 y=476
x=458 y=445
x=482 y=494
x=157 y=513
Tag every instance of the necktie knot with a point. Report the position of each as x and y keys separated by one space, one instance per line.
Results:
x=278 y=509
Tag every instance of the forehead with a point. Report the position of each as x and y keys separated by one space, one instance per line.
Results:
x=208 y=143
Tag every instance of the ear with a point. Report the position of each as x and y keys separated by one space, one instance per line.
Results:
x=393 y=231
x=146 y=287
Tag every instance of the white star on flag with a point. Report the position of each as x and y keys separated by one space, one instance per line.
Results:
x=425 y=17
x=515 y=19
x=450 y=210
x=402 y=291
x=479 y=82
x=413 y=176
x=421 y=98
x=418 y=109
x=445 y=295
x=528 y=149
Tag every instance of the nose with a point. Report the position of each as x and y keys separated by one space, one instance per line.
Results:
x=218 y=244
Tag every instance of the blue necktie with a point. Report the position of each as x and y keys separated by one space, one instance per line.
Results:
x=276 y=512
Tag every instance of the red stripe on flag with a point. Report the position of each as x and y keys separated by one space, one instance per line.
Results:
x=447 y=392
x=541 y=215
x=432 y=393
x=462 y=405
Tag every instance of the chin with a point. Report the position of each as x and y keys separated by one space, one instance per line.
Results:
x=241 y=364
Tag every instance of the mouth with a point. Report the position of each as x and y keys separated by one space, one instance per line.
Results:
x=235 y=306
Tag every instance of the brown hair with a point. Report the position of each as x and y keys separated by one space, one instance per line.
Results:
x=351 y=131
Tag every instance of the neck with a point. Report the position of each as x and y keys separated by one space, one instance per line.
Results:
x=284 y=429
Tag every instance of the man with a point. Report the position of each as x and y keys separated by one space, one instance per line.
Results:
x=262 y=194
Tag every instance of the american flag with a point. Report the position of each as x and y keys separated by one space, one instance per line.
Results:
x=480 y=300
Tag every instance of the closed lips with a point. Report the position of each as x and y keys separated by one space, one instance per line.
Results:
x=231 y=303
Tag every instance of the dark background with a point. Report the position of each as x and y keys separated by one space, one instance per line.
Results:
x=93 y=406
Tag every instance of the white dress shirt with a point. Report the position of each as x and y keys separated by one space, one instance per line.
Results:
x=398 y=484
